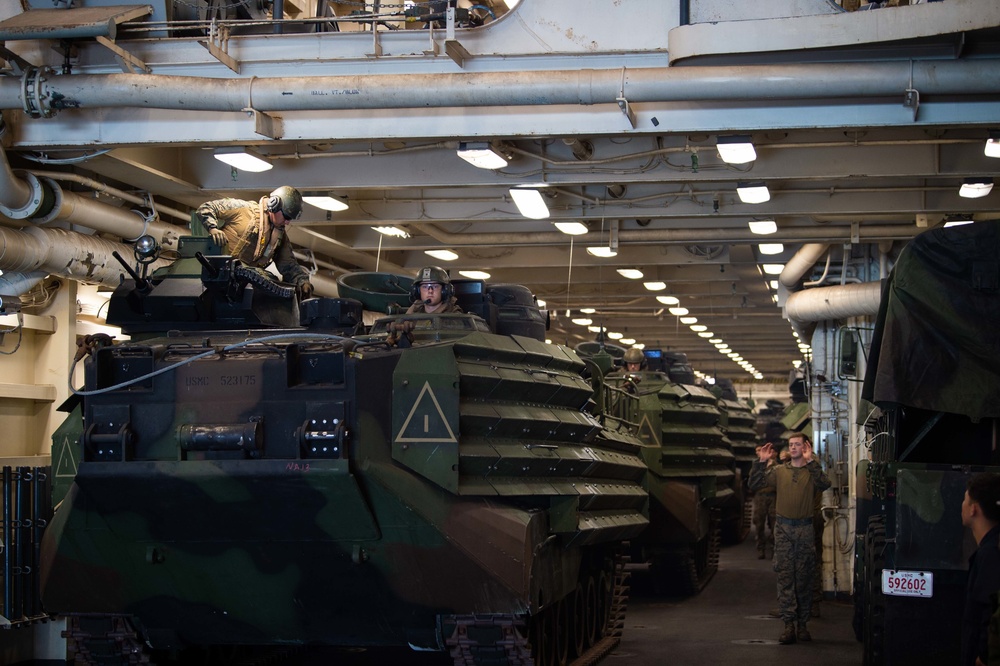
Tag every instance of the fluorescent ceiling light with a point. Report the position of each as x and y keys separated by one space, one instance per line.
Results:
x=588 y=310
x=326 y=202
x=758 y=376
x=244 y=159
x=391 y=231
x=639 y=345
x=753 y=193
x=679 y=312
x=594 y=329
x=689 y=320
x=736 y=149
x=615 y=336
x=715 y=340
x=993 y=144
x=627 y=341
x=572 y=228
x=773 y=269
x=705 y=334
x=771 y=248
x=481 y=154
x=710 y=380
x=583 y=321
x=796 y=363
x=773 y=284
x=724 y=350
x=668 y=300
x=974 y=188
x=630 y=273
x=732 y=355
x=475 y=275
x=720 y=345
x=655 y=286
x=529 y=201
x=699 y=328
x=600 y=250
x=762 y=227
x=541 y=304
x=443 y=255
x=957 y=223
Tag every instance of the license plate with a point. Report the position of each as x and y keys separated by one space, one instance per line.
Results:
x=908 y=583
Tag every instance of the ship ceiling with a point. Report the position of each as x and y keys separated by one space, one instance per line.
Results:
x=867 y=148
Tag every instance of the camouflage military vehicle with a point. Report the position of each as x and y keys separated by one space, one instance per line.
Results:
x=248 y=483
x=739 y=424
x=691 y=475
x=932 y=375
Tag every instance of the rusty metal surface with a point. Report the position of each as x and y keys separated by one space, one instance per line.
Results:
x=76 y=23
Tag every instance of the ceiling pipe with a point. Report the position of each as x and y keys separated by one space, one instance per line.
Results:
x=65 y=253
x=673 y=236
x=15 y=284
x=53 y=92
x=98 y=186
x=837 y=302
x=42 y=200
x=802 y=261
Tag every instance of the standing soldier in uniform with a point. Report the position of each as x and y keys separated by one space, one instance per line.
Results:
x=795 y=483
x=254 y=232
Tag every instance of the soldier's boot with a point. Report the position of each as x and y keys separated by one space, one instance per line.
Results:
x=788 y=635
x=803 y=634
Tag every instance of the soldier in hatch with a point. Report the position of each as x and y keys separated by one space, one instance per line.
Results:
x=633 y=360
x=254 y=232
x=432 y=292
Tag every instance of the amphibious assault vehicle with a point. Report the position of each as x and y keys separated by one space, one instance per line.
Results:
x=739 y=424
x=246 y=483
x=934 y=379
x=691 y=473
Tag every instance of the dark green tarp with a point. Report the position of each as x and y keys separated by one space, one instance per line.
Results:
x=937 y=338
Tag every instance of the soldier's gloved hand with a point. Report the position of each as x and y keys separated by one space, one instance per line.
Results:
x=398 y=327
x=305 y=290
x=218 y=237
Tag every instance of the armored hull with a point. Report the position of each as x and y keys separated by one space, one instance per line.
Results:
x=691 y=477
x=303 y=487
x=739 y=424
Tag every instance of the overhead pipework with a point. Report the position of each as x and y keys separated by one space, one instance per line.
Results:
x=64 y=253
x=41 y=200
x=54 y=92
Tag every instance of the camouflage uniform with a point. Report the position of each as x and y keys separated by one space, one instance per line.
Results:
x=763 y=518
x=251 y=237
x=794 y=536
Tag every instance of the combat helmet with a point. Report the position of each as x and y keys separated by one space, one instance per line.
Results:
x=285 y=200
x=432 y=274
x=633 y=355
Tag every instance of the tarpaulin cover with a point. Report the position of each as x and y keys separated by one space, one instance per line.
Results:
x=937 y=339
